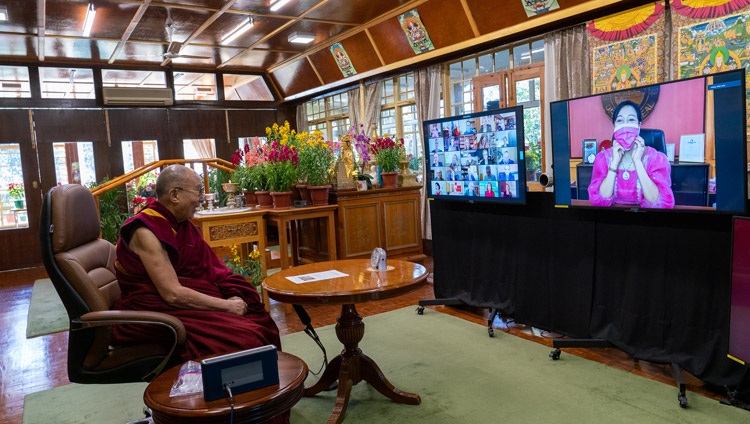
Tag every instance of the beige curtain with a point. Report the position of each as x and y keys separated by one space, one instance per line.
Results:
x=427 y=89
x=566 y=62
x=371 y=114
x=302 y=125
x=204 y=147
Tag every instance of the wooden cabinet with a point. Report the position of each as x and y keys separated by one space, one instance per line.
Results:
x=388 y=218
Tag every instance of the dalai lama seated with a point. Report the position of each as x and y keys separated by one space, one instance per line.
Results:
x=163 y=264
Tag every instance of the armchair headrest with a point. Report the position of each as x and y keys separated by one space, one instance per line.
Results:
x=74 y=217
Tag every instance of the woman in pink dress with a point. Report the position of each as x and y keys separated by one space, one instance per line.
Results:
x=629 y=172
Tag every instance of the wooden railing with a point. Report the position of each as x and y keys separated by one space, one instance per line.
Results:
x=123 y=179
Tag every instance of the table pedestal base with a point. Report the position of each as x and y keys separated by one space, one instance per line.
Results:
x=353 y=366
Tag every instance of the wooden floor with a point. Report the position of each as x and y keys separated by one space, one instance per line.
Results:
x=31 y=365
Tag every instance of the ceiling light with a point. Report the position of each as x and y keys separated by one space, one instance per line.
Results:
x=237 y=31
x=301 y=37
x=89 y=21
x=3 y=13
x=278 y=4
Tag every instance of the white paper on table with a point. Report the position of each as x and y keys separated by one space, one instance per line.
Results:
x=316 y=276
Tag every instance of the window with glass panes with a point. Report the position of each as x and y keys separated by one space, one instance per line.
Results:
x=398 y=114
x=329 y=114
x=460 y=93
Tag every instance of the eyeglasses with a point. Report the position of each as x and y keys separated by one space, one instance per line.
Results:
x=200 y=192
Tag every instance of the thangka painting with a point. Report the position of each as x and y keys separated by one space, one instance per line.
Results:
x=537 y=7
x=342 y=60
x=415 y=32
x=625 y=64
x=715 y=45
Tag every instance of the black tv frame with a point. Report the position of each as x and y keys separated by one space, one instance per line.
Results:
x=730 y=149
x=516 y=170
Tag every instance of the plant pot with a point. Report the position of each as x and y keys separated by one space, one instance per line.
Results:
x=282 y=199
x=18 y=204
x=265 y=201
x=250 y=199
x=390 y=179
x=304 y=192
x=319 y=194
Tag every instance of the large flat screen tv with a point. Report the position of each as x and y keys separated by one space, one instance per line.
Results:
x=678 y=145
x=477 y=157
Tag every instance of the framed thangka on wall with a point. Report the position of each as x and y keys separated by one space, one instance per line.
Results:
x=712 y=46
x=625 y=64
x=342 y=60
x=415 y=32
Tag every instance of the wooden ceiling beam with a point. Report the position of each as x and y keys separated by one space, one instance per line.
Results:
x=405 y=8
x=129 y=30
x=41 y=27
x=273 y=33
x=216 y=15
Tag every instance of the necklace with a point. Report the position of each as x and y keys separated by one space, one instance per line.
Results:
x=626 y=168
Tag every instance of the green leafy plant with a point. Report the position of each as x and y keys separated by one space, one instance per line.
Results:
x=315 y=160
x=250 y=267
x=112 y=211
x=281 y=166
x=16 y=191
x=217 y=177
x=387 y=153
x=534 y=157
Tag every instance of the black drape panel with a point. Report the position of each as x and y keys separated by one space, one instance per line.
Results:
x=662 y=290
x=655 y=284
x=531 y=261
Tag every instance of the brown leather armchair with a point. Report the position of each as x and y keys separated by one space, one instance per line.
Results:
x=81 y=267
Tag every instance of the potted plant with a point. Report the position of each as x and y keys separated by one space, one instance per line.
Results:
x=281 y=172
x=17 y=194
x=315 y=160
x=250 y=267
x=249 y=171
x=387 y=154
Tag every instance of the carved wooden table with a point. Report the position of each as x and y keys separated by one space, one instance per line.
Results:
x=243 y=228
x=254 y=406
x=359 y=286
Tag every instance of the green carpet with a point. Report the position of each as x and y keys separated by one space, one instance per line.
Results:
x=462 y=375
x=46 y=311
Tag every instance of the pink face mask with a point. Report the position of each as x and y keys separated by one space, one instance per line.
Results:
x=625 y=134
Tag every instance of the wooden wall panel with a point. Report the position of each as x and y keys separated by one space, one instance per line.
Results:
x=295 y=78
x=137 y=124
x=12 y=128
x=249 y=123
x=446 y=22
x=54 y=125
x=391 y=41
x=360 y=51
x=491 y=16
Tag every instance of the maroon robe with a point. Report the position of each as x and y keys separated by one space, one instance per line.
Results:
x=198 y=268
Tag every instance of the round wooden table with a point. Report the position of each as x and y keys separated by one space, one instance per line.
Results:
x=360 y=285
x=254 y=406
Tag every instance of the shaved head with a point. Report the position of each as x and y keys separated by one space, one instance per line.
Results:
x=174 y=176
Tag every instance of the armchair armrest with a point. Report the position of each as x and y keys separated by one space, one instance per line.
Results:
x=114 y=317
x=100 y=318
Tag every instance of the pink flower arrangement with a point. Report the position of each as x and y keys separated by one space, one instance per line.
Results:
x=281 y=166
x=387 y=153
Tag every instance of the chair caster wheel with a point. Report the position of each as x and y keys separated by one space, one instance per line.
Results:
x=491 y=332
x=420 y=310
x=555 y=354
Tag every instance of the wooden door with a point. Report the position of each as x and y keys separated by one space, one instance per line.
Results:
x=19 y=235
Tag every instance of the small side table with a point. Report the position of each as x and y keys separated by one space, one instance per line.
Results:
x=251 y=407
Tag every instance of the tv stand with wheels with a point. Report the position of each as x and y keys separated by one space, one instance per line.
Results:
x=601 y=343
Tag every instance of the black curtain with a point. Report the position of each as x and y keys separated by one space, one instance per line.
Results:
x=655 y=284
